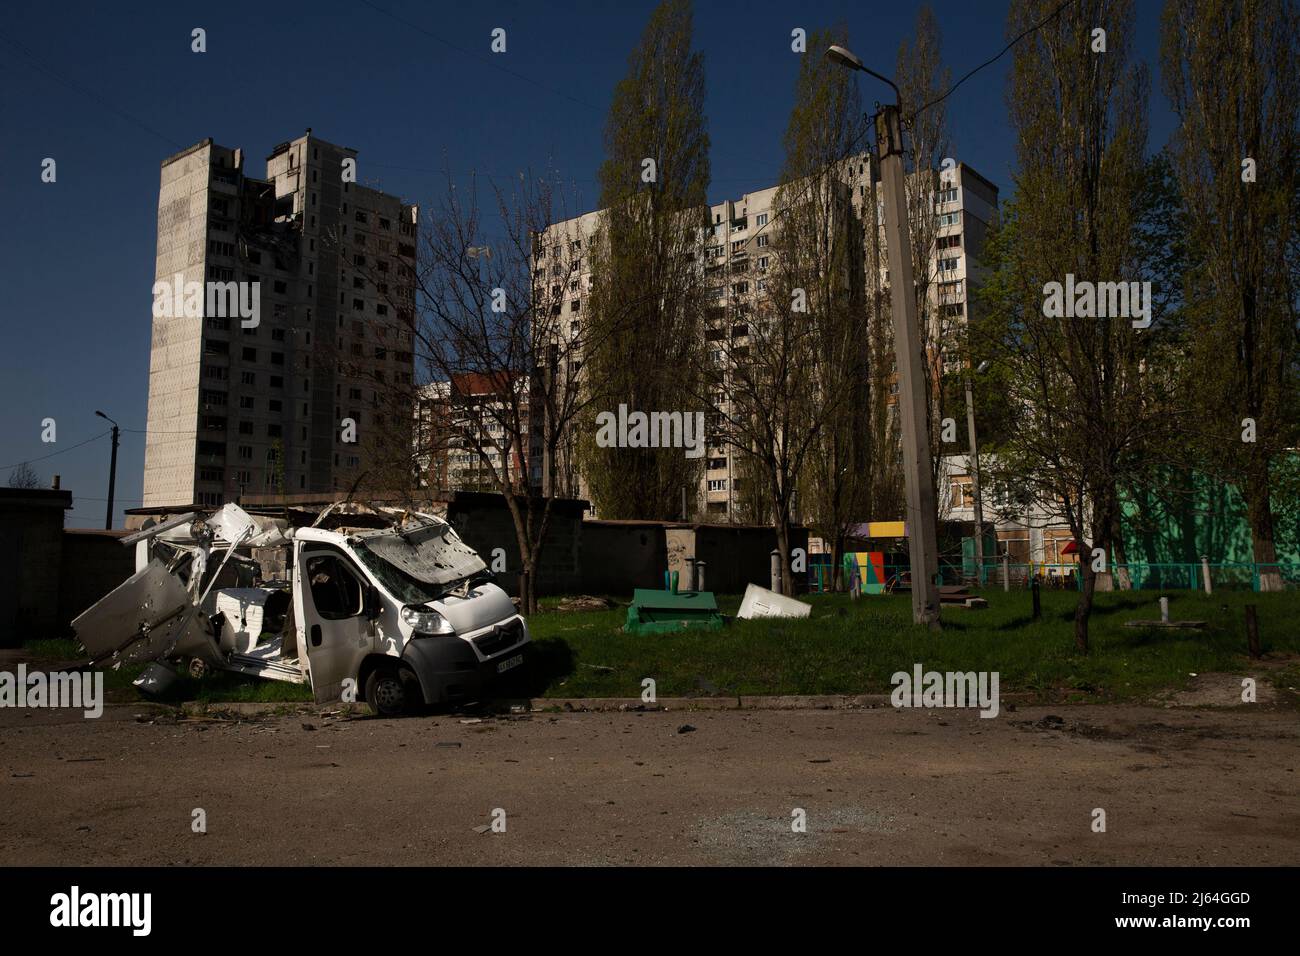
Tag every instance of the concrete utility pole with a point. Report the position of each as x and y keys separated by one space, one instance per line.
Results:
x=975 y=481
x=112 y=472
x=912 y=401
x=922 y=522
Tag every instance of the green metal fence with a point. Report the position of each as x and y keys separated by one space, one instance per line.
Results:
x=1137 y=576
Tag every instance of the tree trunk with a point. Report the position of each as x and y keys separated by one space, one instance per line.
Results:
x=1260 y=510
x=783 y=545
x=1122 y=577
x=1083 y=609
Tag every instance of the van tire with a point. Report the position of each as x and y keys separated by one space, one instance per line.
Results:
x=388 y=691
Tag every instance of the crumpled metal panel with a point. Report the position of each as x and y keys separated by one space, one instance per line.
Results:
x=433 y=553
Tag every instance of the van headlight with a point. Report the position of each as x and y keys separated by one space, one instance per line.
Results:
x=425 y=620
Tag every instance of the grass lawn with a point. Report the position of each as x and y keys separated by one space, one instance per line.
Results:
x=848 y=647
x=852 y=647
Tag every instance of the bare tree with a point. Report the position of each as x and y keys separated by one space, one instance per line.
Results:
x=24 y=476
x=491 y=332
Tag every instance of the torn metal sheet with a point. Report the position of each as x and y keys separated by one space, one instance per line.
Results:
x=140 y=619
x=147 y=533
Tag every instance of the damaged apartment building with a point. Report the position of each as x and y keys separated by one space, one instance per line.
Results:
x=315 y=394
x=736 y=257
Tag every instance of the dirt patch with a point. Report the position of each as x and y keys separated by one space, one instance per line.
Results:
x=1225 y=690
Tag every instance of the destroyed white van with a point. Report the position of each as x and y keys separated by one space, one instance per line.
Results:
x=378 y=604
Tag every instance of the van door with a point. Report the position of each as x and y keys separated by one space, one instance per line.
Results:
x=329 y=598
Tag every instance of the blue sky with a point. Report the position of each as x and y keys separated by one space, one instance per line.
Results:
x=110 y=90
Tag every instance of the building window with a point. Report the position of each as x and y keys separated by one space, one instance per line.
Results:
x=762 y=241
x=961 y=492
x=761 y=219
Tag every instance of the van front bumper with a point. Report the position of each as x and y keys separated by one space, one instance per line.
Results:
x=450 y=671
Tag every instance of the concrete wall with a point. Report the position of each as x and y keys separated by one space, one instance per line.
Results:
x=94 y=562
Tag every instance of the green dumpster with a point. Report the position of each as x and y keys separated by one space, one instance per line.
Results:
x=658 y=612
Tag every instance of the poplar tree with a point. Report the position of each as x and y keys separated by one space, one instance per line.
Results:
x=1229 y=69
x=1086 y=407
x=647 y=296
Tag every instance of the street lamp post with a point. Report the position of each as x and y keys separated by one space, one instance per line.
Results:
x=112 y=472
x=922 y=520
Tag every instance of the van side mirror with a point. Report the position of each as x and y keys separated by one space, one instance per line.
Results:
x=373 y=606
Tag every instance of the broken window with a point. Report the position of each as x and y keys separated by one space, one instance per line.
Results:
x=335 y=590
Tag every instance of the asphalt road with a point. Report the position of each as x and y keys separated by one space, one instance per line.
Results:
x=879 y=786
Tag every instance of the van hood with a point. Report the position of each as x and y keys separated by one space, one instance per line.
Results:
x=482 y=607
x=431 y=553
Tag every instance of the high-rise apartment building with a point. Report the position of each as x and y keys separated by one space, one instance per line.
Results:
x=465 y=429
x=289 y=366
x=737 y=257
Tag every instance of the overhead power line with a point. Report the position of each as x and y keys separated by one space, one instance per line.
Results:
x=491 y=61
x=40 y=65
x=1037 y=26
x=61 y=451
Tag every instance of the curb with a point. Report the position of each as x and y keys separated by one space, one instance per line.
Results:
x=551 y=705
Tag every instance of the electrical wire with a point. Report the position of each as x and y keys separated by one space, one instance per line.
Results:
x=61 y=451
x=85 y=92
x=531 y=81
x=1038 y=26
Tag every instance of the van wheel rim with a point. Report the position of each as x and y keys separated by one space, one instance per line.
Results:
x=388 y=693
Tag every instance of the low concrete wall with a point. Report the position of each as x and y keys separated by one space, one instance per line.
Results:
x=31 y=548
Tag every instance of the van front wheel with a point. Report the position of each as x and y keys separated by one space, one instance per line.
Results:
x=387 y=693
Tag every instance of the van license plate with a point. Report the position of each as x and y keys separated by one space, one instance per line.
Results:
x=510 y=662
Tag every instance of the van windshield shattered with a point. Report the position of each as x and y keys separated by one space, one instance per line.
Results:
x=418 y=564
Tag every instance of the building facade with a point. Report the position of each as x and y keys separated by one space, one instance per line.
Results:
x=737 y=257
x=473 y=413
x=289 y=366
